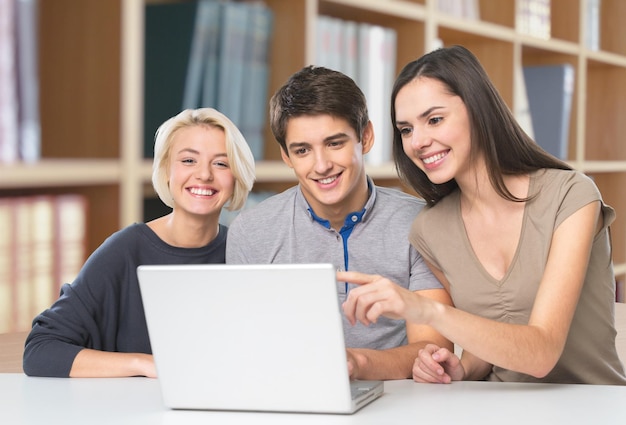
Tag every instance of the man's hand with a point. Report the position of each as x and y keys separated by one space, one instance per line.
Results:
x=353 y=363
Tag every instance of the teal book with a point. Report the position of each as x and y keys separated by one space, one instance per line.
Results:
x=256 y=78
x=233 y=30
x=212 y=25
x=202 y=69
x=169 y=29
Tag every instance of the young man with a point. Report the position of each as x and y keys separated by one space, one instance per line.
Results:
x=337 y=215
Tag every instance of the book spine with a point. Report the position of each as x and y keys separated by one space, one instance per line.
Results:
x=9 y=137
x=377 y=48
x=211 y=66
x=7 y=264
x=28 y=88
x=231 y=62
x=592 y=34
x=70 y=237
x=22 y=284
x=42 y=244
x=255 y=79
x=197 y=56
x=42 y=254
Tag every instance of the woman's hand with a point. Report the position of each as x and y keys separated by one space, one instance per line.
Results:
x=378 y=296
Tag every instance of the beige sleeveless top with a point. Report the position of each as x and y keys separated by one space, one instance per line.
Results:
x=589 y=356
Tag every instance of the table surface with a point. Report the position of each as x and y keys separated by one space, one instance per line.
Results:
x=137 y=401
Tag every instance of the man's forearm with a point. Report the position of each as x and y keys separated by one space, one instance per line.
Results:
x=392 y=363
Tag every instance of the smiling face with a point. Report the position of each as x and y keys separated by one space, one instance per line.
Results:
x=435 y=129
x=200 y=179
x=327 y=157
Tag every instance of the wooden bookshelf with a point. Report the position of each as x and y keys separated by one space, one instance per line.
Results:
x=91 y=91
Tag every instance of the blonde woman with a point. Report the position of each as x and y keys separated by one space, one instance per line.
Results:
x=97 y=327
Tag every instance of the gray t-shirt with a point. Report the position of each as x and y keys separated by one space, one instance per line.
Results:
x=282 y=229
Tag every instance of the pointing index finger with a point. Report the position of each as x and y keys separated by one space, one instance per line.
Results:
x=354 y=277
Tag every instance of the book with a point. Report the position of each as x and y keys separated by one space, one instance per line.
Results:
x=335 y=27
x=349 y=51
x=202 y=38
x=70 y=237
x=533 y=17
x=329 y=42
x=451 y=7
x=592 y=24
x=9 y=138
x=376 y=72
x=521 y=109
x=22 y=288
x=43 y=283
x=7 y=258
x=212 y=55
x=254 y=114
x=550 y=91
x=366 y=53
x=471 y=9
x=169 y=31
x=29 y=138
x=234 y=20
x=468 y=9
x=42 y=245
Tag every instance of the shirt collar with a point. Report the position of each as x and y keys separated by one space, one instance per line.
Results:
x=352 y=218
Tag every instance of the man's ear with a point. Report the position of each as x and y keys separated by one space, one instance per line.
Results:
x=368 y=137
x=285 y=158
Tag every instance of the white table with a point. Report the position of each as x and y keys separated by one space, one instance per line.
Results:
x=137 y=401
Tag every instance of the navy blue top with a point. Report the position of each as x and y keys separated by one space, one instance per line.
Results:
x=102 y=308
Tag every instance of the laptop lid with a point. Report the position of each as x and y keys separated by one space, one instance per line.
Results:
x=249 y=337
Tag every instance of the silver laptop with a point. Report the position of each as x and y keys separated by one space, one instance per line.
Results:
x=250 y=337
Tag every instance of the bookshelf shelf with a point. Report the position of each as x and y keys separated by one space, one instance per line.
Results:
x=396 y=8
x=60 y=172
x=601 y=166
x=469 y=28
x=605 y=59
x=92 y=98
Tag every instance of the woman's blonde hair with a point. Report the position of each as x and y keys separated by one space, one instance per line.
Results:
x=237 y=150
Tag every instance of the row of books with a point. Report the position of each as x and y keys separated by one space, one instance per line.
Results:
x=367 y=54
x=533 y=17
x=544 y=93
x=208 y=53
x=42 y=246
x=20 y=138
x=467 y=9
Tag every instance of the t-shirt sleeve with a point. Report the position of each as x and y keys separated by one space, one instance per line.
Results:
x=58 y=334
x=237 y=241
x=579 y=190
x=416 y=237
x=421 y=276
